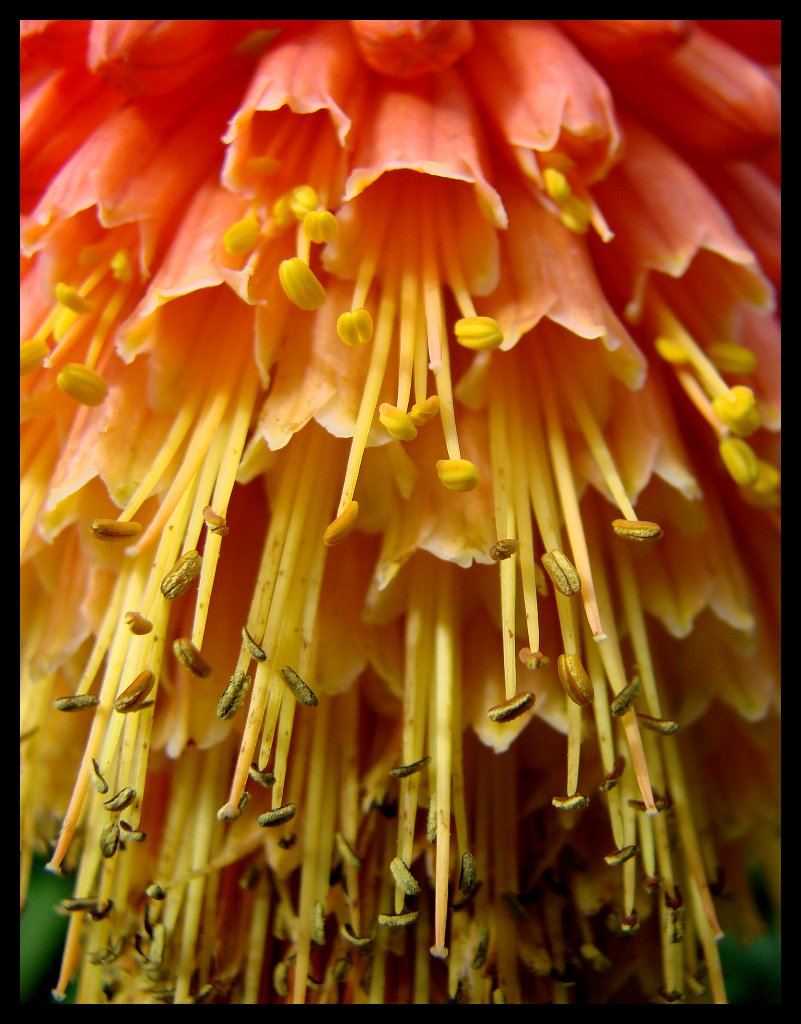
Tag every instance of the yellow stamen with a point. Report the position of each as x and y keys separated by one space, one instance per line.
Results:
x=113 y=529
x=768 y=478
x=121 y=266
x=82 y=384
x=303 y=199
x=457 y=474
x=243 y=236
x=422 y=412
x=343 y=525
x=737 y=410
x=72 y=299
x=478 y=333
x=321 y=226
x=562 y=572
x=556 y=184
x=355 y=328
x=740 y=460
x=671 y=351
x=300 y=284
x=397 y=423
x=733 y=359
x=32 y=353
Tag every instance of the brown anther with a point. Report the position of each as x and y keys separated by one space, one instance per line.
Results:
x=191 y=658
x=180 y=577
x=215 y=522
x=404 y=770
x=253 y=648
x=620 y=856
x=512 y=708
x=264 y=778
x=98 y=781
x=233 y=696
x=467 y=874
x=574 y=680
x=404 y=879
x=110 y=839
x=303 y=694
x=512 y=903
x=562 y=572
x=533 y=659
x=623 y=701
x=630 y=923
x=346 y=851
x=662 y=803
x=482 y=948
x=670 y=996
x=347 y=933
x=278 y=816
x=503 y=549
x=398 y=920
x=133 y=696
x=121 y=800
x=611 y=778
x=138 y=624
x=78 y=702
x=661 y=725
x=652 y=882
x=113 y=529
x=576 y=802
x=636 y=529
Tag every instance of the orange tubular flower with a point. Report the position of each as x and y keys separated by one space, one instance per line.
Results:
x=399 y=505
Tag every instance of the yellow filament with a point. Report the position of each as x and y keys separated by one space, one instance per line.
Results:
x=444 y=670
x=505 y=527
x=562 y=466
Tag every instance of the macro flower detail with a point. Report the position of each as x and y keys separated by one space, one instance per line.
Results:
x=400 y=505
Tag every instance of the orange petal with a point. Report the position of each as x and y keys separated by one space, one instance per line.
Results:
x=428 y=125
x=623 y=40
x=321 y=70
x=146 y=57
x=406 y=49
x=543 y=95
x=704 y=94
x=652 y=230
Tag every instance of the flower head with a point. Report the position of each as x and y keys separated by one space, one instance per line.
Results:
x=399 y=503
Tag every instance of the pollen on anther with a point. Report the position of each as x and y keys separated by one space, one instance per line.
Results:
x=82 y=384
x=342 y=526
x=355 y=327
x=300 y=284
x=457 y=474
x=478 y=333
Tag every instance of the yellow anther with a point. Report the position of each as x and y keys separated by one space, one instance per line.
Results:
x=82 y=384
x=31 y=355
x=302 y=200
x=321 y=226
x=243 y=236
x=398 y=424
x=768 y=478
x=671 y=351
x=355 y=327
x=70 y=297
x=478 y=333
x=733 y=359
x=575 y=215
x=556 y=185
x=282 y=211
x=737 y=410
x=342 y=526
x=422 y=412
x=121 y=266
x=63 y=321
x=740 y=460
x=300 y=285
x=457 y=474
